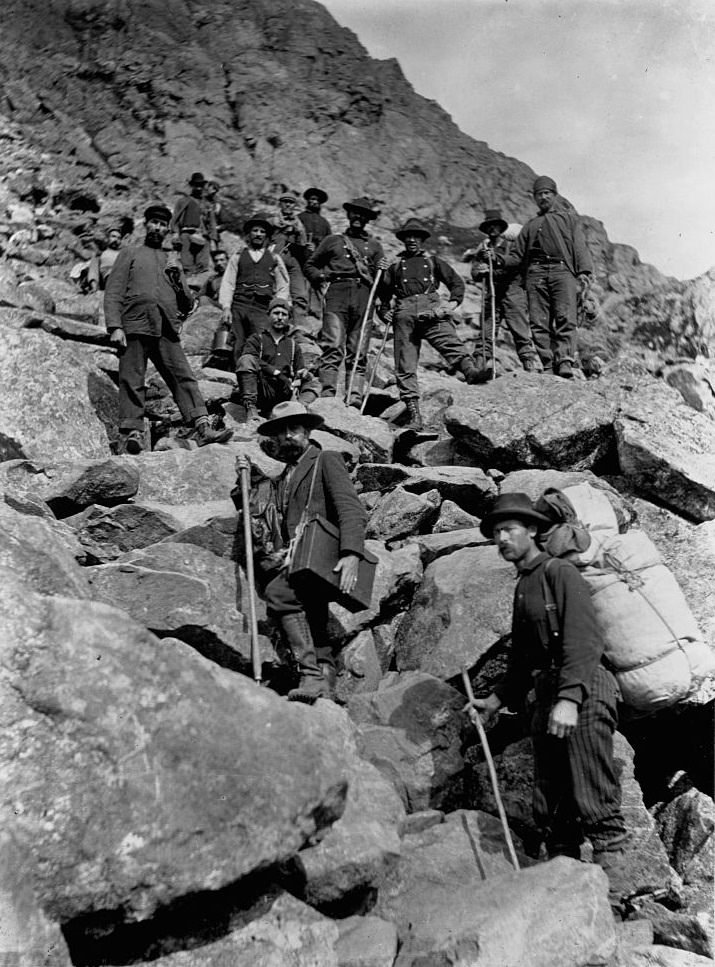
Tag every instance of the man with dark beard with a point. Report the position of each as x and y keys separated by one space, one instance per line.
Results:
x=319 y=479
x=145 y=302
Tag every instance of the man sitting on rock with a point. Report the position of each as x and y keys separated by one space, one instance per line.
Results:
x=271 y=368
x=348 y=262
x=552 y=253
x=509 y=298
x=419 y=313
x=145 y=301
x=556 y=650
x=319 y=479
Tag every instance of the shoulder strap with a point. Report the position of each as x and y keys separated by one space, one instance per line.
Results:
x=552 y=618
x=312 y=484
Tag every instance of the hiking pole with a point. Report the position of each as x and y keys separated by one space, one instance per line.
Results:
x=373 y=371
x=492 y=771
x=244 y=469
x=363 y=327
x=494 y=314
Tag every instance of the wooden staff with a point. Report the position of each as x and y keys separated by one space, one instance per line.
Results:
x=244 y=469
x=363 y=327
x=373 y=371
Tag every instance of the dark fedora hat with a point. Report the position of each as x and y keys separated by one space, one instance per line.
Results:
x=283 y=414
x=493 y=216
x=514 y=506
x=261 y=219
x=197 y=179
x=158 y=211
x=322 y=195
x=363 y=206
x=413 y=226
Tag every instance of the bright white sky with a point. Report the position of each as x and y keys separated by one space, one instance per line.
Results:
x=615 y=99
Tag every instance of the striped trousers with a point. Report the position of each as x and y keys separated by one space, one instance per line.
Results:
x=576 y=792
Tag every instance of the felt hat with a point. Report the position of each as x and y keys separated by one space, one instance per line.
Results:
x=363 y=206
x=262 y=219
x=283 y=303
x=543 y=181
x=197 y=179
x=283 y=414
x=158 y=211
x=322 y=195
x=493 y=216
x=288 y=196
x=413 y=226
x=514 y=506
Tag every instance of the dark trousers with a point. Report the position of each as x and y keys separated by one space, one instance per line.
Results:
x=576 y=792
x=345 y=305
x=265 y=391
x=414 y=321
x=173 y=367
x=249 y=314
x=552 y=294
x=195 y=256
x=510 y=307
x=284 y=596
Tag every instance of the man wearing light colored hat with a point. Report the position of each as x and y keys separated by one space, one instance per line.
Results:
x=576 y=791
x=552 y=253
x=509 y=298
x=413 y=283
x=348 y=262
x=254 y=276
x=300 y=608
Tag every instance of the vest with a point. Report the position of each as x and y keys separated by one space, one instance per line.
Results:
x=254 y=279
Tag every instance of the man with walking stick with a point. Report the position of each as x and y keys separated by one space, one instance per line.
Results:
x=349 y=263
x=419 y=312
x=556 y=650
x=503 y=299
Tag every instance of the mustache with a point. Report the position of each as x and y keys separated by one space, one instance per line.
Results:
x=289 y=452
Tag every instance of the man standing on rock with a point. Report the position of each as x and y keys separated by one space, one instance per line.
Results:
x=552 y=253
x=556 y=650
x=317 y=228
x=192 y=223
x=413 y=282
x=316 y=481
x=254 y=276
x=145 y=302
x=348 y=262
x=509 y=298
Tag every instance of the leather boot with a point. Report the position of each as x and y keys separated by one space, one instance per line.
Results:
x=312 y=684
x=131 y=442
x=472 y=373
x=206 y=434
x=249 y=404
x=414 y=417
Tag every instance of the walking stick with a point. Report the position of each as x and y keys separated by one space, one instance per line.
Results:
x=363 y=327
x=373 y=371
x=492 y=772
x=244 y=469
x=494 y=314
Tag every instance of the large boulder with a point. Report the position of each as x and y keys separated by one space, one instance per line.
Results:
x=463 y=606
x=366 y=942
x=469 y=487
x=411 y=731
x=370 y=435
x=400 y=513
x=360 y=669
x=54 y=406
x=555 y=914
x=439 y=544
x=140 y=773
x=184 y=591
x=667 y=450
x=686 y=826
x=69 y=487
x=107 y=533
x=535 y=482
x=534 y=421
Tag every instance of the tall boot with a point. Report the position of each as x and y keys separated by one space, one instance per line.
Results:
x=472 y=373
x=206 y=434
x=312 y=684
x=249 y=404
x=414 y=417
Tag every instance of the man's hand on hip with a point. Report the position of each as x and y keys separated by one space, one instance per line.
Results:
x=347 y=568
x=563 y=719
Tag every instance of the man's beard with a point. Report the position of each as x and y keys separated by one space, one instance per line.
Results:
x=154 y=239
x=289 y=452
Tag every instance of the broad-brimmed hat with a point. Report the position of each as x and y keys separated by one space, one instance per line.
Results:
x=493 y=216
x=363 y=206
x=158 y=211
x=514 y=506
x=286 y=413
x=260 y=218
x=413 y=226
x=322 y=195
x=197 y=179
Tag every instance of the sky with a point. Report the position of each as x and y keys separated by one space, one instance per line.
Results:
x=615 y=99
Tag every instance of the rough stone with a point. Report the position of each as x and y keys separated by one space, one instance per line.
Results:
x=463 y=606
x=198 y=332
x=686 y=826
x=412 y=732
x=140 y=773
x=83 y=396
x=535 y=482
x=534 y=421
x=515 y=776
x=400 y=513
x=437 y=545
x=222 y=535
x=694 y=381
x=330 y=442
x=693 y=932
x=69 y=487
x=468 y=487
x=366 y=942
x=107 y=533
x=657 y=955
x=360 y=669
x=370 y=435
x=453 y=518
x=184 y=591
x=71 y=329
x=34 y=296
